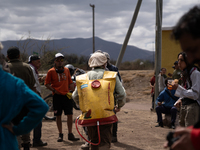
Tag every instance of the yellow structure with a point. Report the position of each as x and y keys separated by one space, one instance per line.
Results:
x=170 y=50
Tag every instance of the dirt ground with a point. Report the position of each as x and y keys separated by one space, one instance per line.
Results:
x=136 y=129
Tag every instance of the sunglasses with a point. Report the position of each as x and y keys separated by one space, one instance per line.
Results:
x=60 y=60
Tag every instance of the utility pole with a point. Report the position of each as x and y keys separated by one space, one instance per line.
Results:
x=153 y=55
x=159 y=5
x=93 y=27
x=123 y=49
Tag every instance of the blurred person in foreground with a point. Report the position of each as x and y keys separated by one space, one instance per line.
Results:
x=58 y=80
x=15 y=94
x=98 y=62
x=187 y=32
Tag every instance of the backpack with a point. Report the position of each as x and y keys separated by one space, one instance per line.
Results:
x=96 y=99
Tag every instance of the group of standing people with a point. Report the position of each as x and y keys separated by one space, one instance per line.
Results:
x=17 y=98
x=58 y=80
x=29 y=74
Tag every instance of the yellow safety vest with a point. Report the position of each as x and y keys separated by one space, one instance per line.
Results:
x=96 y=103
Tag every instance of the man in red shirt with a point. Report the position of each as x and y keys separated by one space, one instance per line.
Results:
x=58 y=80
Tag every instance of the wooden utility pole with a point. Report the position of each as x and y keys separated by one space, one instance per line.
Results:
x=123 y=49
x=158 y=44
x=93 y=27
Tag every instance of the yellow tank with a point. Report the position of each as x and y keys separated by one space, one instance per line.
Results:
x=96 y=99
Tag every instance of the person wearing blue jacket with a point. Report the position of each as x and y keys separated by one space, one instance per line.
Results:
x=15 y=94
x=165 y=104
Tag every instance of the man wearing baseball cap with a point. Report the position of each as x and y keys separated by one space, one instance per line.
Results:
x=34 y=62
x=59 y=81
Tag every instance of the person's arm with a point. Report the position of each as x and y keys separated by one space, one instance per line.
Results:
x=37 y=109
x=152 y=86
x=178 y=103
x=160 y=98
x=75 y=96
x=52 y=89
x=192 y=93
x=185 y=141
x=71 y=86
x=120 y=94
x=152 y=83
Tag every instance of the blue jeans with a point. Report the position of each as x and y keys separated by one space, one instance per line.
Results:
x=165 y=110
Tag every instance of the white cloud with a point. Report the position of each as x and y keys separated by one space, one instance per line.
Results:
x=73 y=19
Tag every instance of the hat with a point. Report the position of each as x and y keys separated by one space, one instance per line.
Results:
x=97 y=59
x=59 y=55
x=98 y=51
x=13 y=52
x=107 y=55
x=33 y=57
x=176 y=62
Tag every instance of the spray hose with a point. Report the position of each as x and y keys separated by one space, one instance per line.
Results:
x=85 y=138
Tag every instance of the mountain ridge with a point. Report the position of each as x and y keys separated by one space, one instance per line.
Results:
x=82 y=46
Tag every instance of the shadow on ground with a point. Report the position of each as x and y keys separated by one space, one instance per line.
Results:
x=125 y=146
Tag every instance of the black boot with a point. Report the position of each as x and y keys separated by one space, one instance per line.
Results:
x=39 y=143
x=60 y=138
x=26 y=146
x=72 y=138
x=160 y=124
x=173 y=126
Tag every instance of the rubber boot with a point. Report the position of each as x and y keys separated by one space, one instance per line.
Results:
x=26 y=146
x=60 y=138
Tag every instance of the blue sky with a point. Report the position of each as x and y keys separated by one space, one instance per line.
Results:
x=57 y=19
